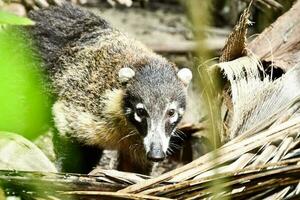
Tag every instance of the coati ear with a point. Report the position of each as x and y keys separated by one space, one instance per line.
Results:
x=125 y=74
x=185 y=75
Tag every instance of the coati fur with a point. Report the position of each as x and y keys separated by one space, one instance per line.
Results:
x=111 y=92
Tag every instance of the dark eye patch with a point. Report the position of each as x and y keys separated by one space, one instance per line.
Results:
x=171 y=112
x=130 y=103
x=141 y=112
x=141 y=125
x=169 y=127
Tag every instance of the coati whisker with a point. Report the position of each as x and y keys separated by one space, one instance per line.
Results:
x=177 y=134
x=181 y=133
x=128 y=135
x=176 y=146
x=170 y=151
x=133 y=146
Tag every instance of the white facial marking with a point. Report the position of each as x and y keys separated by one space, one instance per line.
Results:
x=173 y=105
x=139 y=105
x=147 y=143
x=137 y=118
x=181 y=111
x=156 y=134
x=174 y=118
x=163 y=138
x=166 y=143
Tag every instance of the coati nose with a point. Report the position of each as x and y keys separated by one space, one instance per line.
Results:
x=156 y=153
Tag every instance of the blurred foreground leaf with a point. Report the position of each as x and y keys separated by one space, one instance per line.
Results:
x=18 y=153
x=10 y=19
x=24 y=104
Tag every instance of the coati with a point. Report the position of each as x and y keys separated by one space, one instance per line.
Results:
x=111 y=92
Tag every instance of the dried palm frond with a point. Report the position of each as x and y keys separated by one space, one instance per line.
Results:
x=269 y=158
x=235 y=46
x=256 y=98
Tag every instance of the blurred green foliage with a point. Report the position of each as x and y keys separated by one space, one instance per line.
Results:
x=24 y=103
x=10 y=19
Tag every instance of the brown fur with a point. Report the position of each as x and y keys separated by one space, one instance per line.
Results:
x=84 y=79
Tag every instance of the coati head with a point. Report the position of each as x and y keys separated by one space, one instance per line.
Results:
x=154 y=102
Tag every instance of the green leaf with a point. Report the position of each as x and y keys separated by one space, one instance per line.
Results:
x=25 y=106
x=11 y=19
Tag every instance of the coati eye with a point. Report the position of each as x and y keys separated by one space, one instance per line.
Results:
x=141 y=112
x=171 y=112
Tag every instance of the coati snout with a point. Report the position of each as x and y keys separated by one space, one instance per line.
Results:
x=156 y=152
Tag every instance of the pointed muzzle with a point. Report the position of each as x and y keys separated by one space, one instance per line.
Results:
x=156 y=153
